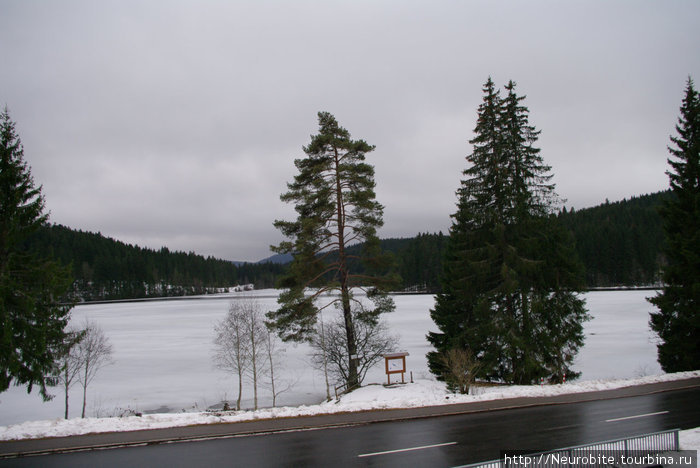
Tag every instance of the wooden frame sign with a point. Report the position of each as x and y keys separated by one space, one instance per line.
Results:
x=395 y=363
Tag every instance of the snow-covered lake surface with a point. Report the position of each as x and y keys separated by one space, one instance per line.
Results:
x=163 y=355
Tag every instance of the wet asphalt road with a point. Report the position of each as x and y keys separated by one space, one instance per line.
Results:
x=451 y=440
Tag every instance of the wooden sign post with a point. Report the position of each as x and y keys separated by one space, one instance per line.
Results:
x=395 y=363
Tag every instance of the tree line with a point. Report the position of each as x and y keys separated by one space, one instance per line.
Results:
x=619 y=243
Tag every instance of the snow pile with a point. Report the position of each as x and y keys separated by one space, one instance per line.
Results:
x=418 y=394
x=690 y=439
x=430 y=393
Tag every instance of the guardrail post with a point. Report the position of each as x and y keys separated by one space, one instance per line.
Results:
x=676 y=440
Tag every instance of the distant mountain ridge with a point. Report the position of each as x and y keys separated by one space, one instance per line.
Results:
x=280 y=259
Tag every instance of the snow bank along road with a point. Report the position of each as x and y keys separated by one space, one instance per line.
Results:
x=445 y=435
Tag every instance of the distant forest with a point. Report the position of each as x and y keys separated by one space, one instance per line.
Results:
x=619 y=244
x=107 y=269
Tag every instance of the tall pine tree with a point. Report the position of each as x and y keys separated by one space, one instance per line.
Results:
x=677 y=321
x=334 y=197
x=32 y=318
x=510 y=273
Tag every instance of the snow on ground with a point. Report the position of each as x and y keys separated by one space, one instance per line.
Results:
x=410 y=395
x=163 y=355
x=163 y=366
x=690 y=439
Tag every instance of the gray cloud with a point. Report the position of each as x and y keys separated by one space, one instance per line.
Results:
x=177 y=123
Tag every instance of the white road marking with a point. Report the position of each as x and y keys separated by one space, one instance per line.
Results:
x=406 y=449
x=635 y=417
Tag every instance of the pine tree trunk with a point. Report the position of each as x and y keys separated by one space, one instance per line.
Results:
x=352 y=345
x=352 y=379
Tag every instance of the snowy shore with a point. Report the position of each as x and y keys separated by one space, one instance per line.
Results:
x=371 y=397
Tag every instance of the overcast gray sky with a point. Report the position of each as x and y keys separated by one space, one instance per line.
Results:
x=176 y=123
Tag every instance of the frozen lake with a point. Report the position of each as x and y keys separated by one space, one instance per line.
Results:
x=163 y=354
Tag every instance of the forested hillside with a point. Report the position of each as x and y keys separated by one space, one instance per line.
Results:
x=419 y=260
x=104 y=268
x=619 y=244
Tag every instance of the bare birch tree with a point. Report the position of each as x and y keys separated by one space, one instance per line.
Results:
x=257 y=336
x=245 y=347
x=69 y=364
x=232 y=352
x=274 y=356
x=93 y=352
x=322 y=359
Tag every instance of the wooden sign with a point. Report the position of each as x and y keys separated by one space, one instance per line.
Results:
x=395 y=363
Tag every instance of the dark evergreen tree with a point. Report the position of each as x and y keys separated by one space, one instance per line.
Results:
x=677 y=321
x=528 y=180
x=334 y=197
x=33 y=320
x=510 y=273
x=462 y=323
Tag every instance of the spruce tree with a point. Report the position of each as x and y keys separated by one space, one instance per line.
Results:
x=510 y=272
x=466 y=266
x=33 y=320
x=677 y=321
x=333 y=194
